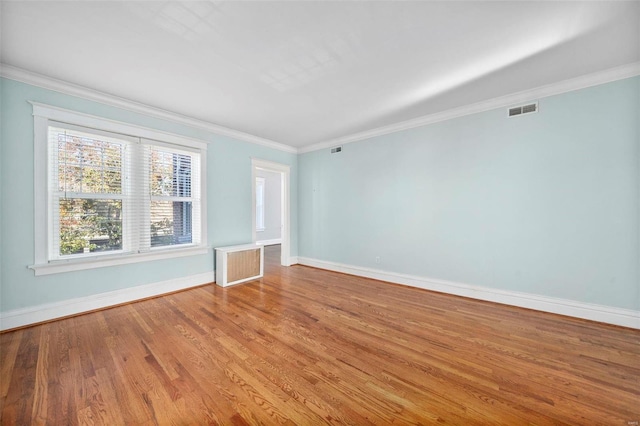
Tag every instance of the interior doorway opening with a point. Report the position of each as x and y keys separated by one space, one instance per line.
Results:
x=269 y=213
x=274 y=173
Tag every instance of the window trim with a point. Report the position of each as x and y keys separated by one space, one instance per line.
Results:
x=42 y=114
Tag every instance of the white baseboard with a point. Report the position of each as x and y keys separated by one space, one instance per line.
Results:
x=600 y=313
x=50 y=311
x=270 y=242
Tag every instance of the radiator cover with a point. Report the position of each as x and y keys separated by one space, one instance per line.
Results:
x=238 y=264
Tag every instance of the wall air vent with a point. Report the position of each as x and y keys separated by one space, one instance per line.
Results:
x=336 y=149
x=523 y=109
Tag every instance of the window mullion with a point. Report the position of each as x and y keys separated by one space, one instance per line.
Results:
x=172 y=199
x=91 y=195
x=137 y=190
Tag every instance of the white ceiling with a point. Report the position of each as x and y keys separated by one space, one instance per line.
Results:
x=301 y=73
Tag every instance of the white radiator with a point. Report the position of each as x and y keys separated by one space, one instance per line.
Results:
x=237 y=264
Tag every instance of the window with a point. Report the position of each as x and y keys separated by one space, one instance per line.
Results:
x=113 y=195
x=172 y=197
x=86 y=191
x=260 y=204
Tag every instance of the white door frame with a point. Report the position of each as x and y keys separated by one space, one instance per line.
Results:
x=285 y=176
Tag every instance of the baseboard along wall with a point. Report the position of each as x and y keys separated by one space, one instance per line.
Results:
x=593 y=312
x=37 y=314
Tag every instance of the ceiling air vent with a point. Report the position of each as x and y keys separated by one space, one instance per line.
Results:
x=336 y=149
x=523 y=109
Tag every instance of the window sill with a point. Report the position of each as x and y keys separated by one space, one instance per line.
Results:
x=57 y=267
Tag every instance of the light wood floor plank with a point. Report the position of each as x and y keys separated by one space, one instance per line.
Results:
x=303 y=346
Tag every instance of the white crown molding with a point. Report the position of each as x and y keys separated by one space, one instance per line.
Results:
x=37 y=314
x=582 y=82
x=593 y=312
x=39 y=80
x=82 y=119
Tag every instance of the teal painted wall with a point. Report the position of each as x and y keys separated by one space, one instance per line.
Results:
x=228 y=193
x=547 y=203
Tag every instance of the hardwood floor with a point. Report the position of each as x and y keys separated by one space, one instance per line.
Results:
x=305 y=346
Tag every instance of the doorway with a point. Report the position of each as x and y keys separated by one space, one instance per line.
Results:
x=281 y=172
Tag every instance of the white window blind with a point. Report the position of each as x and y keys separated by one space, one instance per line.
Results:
x=111 y=193
x=175 y=200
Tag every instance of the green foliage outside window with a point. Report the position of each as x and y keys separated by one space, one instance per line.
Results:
x=94 y=225
x=89 y=166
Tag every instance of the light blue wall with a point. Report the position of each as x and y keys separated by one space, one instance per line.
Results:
x=547 y=203
x=228 y=192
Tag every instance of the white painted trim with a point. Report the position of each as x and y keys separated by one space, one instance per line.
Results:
x=254 y=205
x=42 y=220
x=101 y=261
x=254 y=209
x=43 y=223
x=204 y=201
x=269 y=242
x=95 y=122
x=39 y=80
x=285 y=171
x=270 y=165
x=582 y=82
x=593 y=312
x=50 y=311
